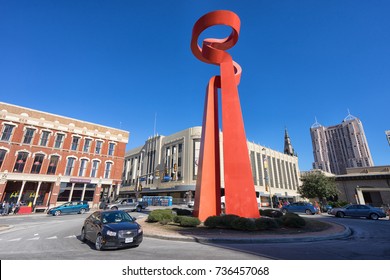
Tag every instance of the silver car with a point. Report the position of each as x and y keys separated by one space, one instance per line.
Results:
x=358 y=210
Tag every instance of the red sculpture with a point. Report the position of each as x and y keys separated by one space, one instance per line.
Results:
x=240 y=196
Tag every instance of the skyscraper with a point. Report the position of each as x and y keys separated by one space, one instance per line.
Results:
x=341 y=146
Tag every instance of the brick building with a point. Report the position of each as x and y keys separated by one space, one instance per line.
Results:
x=46 y=159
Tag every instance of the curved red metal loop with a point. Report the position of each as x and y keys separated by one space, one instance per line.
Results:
x=240 y=196
x=213 y=50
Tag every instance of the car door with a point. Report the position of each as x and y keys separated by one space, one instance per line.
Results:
x=363 y=210
x=352 y=211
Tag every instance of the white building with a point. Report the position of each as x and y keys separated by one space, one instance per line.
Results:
x=168 y=165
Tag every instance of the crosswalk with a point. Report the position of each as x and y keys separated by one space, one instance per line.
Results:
x=37 y=237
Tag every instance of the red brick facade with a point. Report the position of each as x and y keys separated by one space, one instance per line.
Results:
x=31 y=140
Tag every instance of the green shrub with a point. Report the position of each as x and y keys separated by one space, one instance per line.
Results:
x=273 y=213
x=186 y=221
x=293 y=220
x=266 y=223
x=212 y=221
x=241 y=223
x=225 y=221
x=163 y=216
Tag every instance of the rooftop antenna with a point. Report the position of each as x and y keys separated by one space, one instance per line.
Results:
x=155 y=121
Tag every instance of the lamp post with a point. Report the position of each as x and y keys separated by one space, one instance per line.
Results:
x=267 y=186
x=138 y=182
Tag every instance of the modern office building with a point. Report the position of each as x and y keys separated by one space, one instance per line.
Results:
x=342 y=146
x=47 y=159
x=168 y=165
x=388 y=136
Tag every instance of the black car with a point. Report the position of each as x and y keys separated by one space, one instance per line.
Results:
x=111 y=229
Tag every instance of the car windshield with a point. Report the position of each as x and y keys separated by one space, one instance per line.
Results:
x=116 y=217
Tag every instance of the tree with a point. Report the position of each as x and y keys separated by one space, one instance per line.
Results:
x=317 y=185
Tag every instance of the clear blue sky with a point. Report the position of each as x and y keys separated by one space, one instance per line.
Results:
x=119 y=63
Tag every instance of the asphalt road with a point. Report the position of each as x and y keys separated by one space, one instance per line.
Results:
x=41 y=237
x=369 y=241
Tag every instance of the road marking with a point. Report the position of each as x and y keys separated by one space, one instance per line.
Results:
x=52 y=237
x=34 y=238
x=16 y=239
x=70 y=236
x=35 y=234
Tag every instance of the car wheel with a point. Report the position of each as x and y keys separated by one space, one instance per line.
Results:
x=308 y=212
x=114 y=208
x=374 y=216
x=82 y=236
x=99 y=242
x=57 y=213
x=284 y=211
x=139 y=208
x=82 y=211
x=340 y=214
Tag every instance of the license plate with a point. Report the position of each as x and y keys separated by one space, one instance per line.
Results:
x=128 y=239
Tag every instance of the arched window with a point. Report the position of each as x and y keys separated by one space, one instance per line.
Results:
x=2 y=156
x=69 y=166
x=20 y=161
x=53 y=165
x=38 y=160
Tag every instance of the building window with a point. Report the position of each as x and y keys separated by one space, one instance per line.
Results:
x=7 y=132
x=95 y=168
x=28 y=135
x=83 y=167
x=2 y=156
x=53 y=164
x=111 y=148
x=196 y=151
x=107 y=171
x=69 y=166
x=44 y=138
x=20 y=161
x=75 y=143
x=87 y=145
x=98 y=148
x=59 y=141
x=36 y=168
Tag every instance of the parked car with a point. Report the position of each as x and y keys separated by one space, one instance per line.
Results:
x=127 y=204
x=358 y=210
x=111 y=229
x=191 y=204
x=300 y=207
x=79 y=207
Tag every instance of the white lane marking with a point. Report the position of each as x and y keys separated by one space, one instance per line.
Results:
x=70 y=236
x=34 y=238
x=52 y=237
x=16 y=239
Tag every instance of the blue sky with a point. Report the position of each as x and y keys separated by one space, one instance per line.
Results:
x=120 y=63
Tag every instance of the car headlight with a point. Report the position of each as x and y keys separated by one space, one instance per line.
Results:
x=140 y=230
x=111 y=233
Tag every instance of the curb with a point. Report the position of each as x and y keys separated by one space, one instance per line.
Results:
x=343 y=234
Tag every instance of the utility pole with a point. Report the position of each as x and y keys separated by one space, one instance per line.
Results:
x=267 y=186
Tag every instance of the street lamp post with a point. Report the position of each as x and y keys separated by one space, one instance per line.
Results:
x=138 y=182
x=267 y=186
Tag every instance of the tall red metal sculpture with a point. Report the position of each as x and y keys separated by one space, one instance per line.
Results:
x=240 y=196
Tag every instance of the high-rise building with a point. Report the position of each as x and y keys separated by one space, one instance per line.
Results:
x=47 y=159
x=388 y=136
x=342 y=146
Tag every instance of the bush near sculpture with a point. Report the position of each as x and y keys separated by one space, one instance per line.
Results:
x=249 y=224
x=166 y=216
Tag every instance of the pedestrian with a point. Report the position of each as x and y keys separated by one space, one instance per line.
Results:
x=6 y=208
